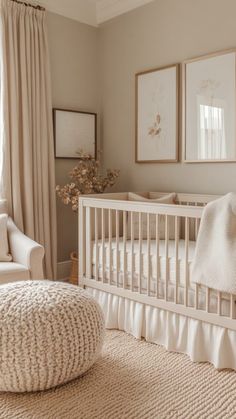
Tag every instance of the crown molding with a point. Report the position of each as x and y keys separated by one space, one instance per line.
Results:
x=108 y=9
x=83 y=11
x=91 y=12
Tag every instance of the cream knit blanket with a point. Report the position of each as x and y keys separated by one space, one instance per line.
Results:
x=215 y=256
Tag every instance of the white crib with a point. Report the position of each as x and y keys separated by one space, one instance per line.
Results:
x=135 y=258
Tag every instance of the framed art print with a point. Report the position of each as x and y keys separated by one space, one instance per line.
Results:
x=74 y=131
x=157 y=115
x=209 y=108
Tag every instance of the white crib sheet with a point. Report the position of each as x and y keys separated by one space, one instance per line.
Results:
x=171 y=266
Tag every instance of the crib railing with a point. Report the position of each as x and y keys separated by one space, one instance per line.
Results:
x=117 y=236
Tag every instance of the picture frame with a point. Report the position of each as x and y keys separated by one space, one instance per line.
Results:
x=157 y=115
x=209 y=108
x=74 y=131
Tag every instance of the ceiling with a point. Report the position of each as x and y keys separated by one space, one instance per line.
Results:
x=92 y=12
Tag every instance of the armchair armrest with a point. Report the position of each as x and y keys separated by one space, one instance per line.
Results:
x=25 y=251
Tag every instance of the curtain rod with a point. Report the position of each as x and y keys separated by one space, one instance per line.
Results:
x=42 y=9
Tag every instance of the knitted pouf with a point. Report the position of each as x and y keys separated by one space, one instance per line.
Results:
x=50 y=333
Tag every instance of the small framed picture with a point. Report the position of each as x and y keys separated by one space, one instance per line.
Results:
x=209 y=108
x=157 y=115
x=74 y=131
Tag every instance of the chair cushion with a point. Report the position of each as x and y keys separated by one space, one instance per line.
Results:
x=4 y=248
x=12 y=272
x=51 y=332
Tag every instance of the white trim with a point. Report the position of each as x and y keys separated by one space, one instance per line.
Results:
x=63 y=270
x=108 y=9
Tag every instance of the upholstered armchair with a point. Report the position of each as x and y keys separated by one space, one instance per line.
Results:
x=27 y=255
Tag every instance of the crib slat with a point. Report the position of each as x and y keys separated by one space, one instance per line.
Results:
x=140 y=252
x=186 y=261
x=103 y=244
x=117 y=248
x=196 y=296
x=176 y=258
x=110 y=243
x=157 y=255
x=166 y=255
x=231 y=306
x=88 y=242
x=124 y=247
x=197 y=222
x=148 y=254
x=82 y=241
x=132 y=249
x=194 y=225
x=219 y=303
x=96 y=242
x=207 y=299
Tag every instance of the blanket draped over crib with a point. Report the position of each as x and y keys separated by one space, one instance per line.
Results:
x=214 y=263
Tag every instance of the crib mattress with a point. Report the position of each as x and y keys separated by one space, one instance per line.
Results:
x=158 y=266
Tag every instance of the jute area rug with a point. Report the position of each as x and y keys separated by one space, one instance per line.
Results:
x=133 y=379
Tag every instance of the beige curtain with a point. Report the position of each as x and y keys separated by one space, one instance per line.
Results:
x=27 y=166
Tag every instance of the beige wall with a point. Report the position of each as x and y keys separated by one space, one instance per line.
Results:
x=160 y=33
x=90 y=64
x=73 y=51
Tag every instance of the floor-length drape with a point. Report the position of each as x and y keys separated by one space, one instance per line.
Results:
x=26 y=134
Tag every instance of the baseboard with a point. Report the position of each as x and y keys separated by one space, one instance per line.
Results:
x=63 y=270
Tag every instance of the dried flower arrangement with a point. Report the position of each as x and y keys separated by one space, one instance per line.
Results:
x=86 y=179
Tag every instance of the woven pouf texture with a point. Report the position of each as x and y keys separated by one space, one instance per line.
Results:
x=50 y=333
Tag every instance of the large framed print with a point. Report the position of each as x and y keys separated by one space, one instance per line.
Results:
x=157 y=115
x=74 y=132
x=209 y=108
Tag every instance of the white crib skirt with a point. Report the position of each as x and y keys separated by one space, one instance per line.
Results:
x=203 y=342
